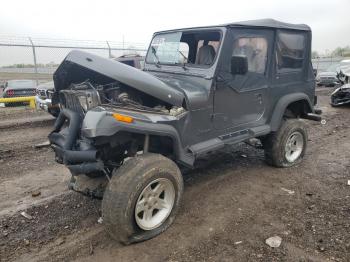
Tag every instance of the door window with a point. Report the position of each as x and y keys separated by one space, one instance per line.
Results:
x=255 y=49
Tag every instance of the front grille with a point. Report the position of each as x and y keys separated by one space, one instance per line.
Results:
x=69 y=100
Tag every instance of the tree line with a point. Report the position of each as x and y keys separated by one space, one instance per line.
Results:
x=31 y=65
x=339 y=51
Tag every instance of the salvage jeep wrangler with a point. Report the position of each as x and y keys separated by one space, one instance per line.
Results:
x=201 y=89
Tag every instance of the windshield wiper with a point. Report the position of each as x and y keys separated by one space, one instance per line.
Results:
x=154 y=52
x=185 y=60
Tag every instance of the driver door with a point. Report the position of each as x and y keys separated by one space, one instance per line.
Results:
x=240 y=100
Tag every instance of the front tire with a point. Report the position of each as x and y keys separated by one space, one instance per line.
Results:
x=287 y=146
x=142 y=198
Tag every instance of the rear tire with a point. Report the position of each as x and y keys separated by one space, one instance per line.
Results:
x=142 y=198
x=287 y=146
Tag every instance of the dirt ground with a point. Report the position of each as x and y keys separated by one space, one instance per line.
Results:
x=232 y=203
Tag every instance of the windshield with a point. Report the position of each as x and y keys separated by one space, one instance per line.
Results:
x=184 y=48
x=165 y=49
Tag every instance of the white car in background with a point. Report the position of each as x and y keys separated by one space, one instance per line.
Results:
x=330 y=77
x=43 y=98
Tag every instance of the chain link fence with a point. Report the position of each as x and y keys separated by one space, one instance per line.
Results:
x=323 y=63
x=38 y=58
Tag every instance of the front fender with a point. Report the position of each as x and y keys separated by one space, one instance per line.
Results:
x=103 y=124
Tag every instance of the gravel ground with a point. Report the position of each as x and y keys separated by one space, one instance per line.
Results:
x=232 y=203
x=20 y=112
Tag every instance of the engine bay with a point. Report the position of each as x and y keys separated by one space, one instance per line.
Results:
x=86 y=95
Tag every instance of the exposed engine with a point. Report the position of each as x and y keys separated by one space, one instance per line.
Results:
x=84 y=96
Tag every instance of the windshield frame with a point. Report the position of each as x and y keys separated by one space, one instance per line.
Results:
x=189 y=66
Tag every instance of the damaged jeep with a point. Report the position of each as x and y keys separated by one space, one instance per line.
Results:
x=341 y=95
x=126 y=133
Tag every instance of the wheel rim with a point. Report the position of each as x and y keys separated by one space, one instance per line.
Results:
x=294 y=146
x=154 y=204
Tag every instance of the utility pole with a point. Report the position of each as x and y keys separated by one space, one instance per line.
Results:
x=109 y=50
x=35 y=64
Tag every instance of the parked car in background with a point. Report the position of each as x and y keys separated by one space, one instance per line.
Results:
x=344 y=71
x=45 y=91
x=328 y=77
x=19 y=88
x=341 y=96
x=136 y=61
x=43 y=98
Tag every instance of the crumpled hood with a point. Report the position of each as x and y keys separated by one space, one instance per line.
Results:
x=345 y=87
x=195 y=89
x=79 y=66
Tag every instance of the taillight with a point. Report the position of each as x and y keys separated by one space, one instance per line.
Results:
x=10 y=92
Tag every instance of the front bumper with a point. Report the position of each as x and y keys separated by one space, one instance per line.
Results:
x=71 y=149
x=79 y=158
x=73 y=145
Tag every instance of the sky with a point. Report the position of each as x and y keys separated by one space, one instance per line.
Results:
x=135 y=21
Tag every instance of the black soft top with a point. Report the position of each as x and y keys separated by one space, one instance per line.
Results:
x=271 y=23
x=265 y=23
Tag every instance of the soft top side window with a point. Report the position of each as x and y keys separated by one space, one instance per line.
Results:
x=290 y=50
x=255 y=49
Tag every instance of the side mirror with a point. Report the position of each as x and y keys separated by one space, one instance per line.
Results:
x=239 y=65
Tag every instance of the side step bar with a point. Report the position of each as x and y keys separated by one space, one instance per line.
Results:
x=228 y=139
